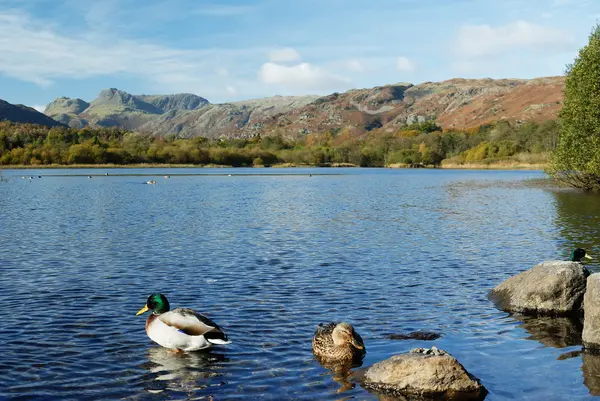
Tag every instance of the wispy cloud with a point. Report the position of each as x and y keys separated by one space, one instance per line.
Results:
x=224 y=10
x=33 y=53
x=38 y=107
x=355 y=66
x=284 y=54
x=483 y=40
x=404 y=64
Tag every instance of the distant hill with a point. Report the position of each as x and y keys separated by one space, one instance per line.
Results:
x=22 y=114
x=456 y=103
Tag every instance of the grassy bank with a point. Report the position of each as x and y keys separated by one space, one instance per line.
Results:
x=494 y=166
x=472 y=166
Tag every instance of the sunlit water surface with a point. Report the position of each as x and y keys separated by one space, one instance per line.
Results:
x=268 y=257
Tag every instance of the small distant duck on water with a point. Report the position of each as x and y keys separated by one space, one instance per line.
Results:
x=180 y=329
x=338 y=342
x=579 y=254
x=151 y=182
x=167 y=176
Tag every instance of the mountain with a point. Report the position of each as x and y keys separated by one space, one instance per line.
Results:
x=456 y=103
x=22 y=114
x=116 y=108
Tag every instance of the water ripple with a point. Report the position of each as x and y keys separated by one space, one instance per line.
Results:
x=268 y=258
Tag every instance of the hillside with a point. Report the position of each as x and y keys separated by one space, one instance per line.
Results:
x=456 y=103
x=23 y=114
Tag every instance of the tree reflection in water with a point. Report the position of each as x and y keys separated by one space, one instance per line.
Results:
x=577 y=221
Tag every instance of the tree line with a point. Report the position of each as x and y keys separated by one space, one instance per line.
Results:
x=423 y=144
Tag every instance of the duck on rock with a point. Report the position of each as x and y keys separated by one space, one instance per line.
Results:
x=338 y=342
x=180 y=329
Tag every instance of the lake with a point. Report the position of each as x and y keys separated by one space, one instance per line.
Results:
x=268 y=254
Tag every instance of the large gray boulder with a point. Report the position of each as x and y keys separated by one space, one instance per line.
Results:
x=549 y=288
x=423 y=373
x=591 y=322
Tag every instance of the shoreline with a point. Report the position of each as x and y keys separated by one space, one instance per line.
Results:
x=449 y=166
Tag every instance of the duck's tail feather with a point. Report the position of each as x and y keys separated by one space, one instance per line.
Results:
x=218 y=341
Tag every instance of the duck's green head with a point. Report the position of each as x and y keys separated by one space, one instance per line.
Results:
x=579 y=254
x=157 y=303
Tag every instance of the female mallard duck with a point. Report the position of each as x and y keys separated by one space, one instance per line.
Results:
x=181 y=329
x=579 y=254
x=338 y=342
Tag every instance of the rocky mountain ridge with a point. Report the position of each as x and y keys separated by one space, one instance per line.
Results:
x=456 y=103
x=22 y=114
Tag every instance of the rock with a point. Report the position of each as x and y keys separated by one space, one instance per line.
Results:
x=423 y=373
x=556 y=332
x=549 y=288
x=591 y=322
x=415 y=335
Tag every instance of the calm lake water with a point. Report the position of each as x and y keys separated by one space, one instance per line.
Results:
x=268 y=257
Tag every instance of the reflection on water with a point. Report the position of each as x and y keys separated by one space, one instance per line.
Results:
x=556 y=332
x=578 y=219
x=341 y=372
x=591 y=372
x=183 y=372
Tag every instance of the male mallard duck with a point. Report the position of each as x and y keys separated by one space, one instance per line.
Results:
x=181 y=329
x=338 y=342
x=579 y=254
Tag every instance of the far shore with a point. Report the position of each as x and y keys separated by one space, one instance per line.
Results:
x=445 y=166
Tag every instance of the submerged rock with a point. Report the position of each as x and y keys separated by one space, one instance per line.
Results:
x=422 y=374
x=591 y=322
x=549 y=288
x=415 y=335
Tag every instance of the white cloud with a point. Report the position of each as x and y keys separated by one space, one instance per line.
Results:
x=355 y=65
x=303 y=75
x=39 y=107
x=483 y=40
x=231 y=90
x=284 y=54
x=404 y=64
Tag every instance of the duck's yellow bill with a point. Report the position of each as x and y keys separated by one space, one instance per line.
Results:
x=356 y=344
x=144 y=309
x=587 y=256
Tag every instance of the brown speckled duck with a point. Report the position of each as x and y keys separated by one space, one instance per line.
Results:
x=338 y=342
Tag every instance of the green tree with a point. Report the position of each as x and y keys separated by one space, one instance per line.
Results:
x=576 y=159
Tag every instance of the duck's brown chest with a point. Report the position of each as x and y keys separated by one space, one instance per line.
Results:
x=150 y=320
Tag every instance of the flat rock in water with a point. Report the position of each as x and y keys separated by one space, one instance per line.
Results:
x=549 y=288
x=415 y=335
x=423 y=374
x=591 y=307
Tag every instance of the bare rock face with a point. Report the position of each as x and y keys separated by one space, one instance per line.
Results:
x=423 y=374
x=549 y=288
x=591 y=323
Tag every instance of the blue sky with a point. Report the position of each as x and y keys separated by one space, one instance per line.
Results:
x=240 y=49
